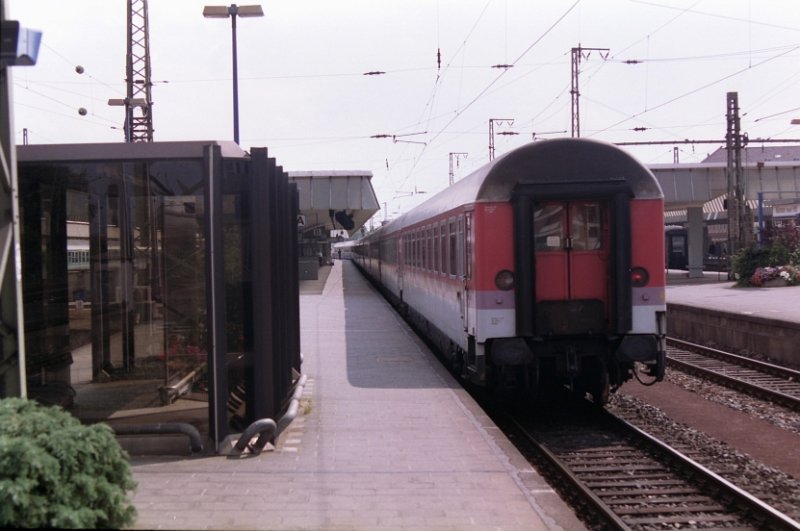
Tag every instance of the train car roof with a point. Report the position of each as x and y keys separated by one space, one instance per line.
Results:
x=560 y=160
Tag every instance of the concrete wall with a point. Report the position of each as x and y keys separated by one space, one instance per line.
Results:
x=775 y=339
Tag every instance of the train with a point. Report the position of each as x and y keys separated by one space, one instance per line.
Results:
x=676 y=242
x=541 y=271
x=676 y=248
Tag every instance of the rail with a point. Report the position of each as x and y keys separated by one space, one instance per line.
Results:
x=766 y=381
x=621 y=470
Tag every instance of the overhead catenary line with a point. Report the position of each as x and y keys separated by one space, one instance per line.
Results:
x=698 y=89
x=717 y=15
x=502 y=72
x=429 y=105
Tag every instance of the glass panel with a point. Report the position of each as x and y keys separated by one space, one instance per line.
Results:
x=453 y=250
x=587 y=230
x=184 y=303
x=118 y=312
x=116 y=284
x=548 y=227
x=436 y=248
x=423 y=245
x=677 y=244
x=443 y=245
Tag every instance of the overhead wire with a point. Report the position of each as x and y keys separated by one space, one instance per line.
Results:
x=717 y=15
x=430 y=103
x=480 y=94
x=700 y=88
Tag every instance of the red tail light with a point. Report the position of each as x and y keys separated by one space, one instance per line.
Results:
x=639 y=277
x=504 y=280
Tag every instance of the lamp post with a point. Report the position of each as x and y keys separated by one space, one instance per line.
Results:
x=233 y=11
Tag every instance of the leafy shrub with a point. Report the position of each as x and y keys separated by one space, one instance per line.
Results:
x=780 y=258
x=57 y=473
x=747 y=261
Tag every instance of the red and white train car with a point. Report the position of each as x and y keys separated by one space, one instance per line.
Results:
x=543 y=268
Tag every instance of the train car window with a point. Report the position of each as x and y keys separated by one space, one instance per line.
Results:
x=428 y=258
x=443 y=246
x=411 y=250
x=548 y=227
x=453 y=251
x=424 y=244
x=435 y=243
x=388 y=251
x=432 y=243
x=420 y=249
x=423 y=250
x=587 y=226
x=416 y=249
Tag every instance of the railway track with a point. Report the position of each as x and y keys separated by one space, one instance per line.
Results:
x=762 y=380
x=634 y=481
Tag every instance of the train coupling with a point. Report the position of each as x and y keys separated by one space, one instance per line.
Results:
x=658 y=368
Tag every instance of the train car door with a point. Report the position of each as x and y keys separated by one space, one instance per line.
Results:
x=571 y=251
x=469 y=309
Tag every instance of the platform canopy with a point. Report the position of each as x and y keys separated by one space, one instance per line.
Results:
x=334 y=200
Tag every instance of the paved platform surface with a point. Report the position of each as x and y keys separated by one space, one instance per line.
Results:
x=715 y=293
x=386 y=439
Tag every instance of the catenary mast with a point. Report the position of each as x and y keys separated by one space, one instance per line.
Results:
x=139 y=101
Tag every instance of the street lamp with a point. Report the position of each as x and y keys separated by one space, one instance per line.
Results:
x=233 y=11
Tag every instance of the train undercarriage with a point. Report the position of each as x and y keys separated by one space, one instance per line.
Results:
x=538 y=368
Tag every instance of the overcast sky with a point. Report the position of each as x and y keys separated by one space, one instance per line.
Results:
x=303 y=93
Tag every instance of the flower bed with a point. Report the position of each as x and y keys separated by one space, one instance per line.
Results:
x=775 y=276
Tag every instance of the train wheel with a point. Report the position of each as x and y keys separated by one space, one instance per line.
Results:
x=457 y=361
x=600 y=388
x=593 y=380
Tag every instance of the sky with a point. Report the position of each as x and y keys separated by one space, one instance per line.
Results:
x=660 y=72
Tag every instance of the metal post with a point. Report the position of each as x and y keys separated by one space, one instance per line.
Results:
x=761 y=218
x=577 y=54
x=233 y=11
x=734 y=141
x=235 y=80
x=457 y=155
x=499 y=121
x=575 y=93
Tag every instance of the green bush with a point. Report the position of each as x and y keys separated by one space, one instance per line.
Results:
x=746 y=261
x=781 y=251
x=57 y=473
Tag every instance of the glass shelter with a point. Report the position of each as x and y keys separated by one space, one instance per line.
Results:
x=150 y=274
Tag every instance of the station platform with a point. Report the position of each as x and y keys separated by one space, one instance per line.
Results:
x=715 y=292
x=386 y=439
x=763 y=322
